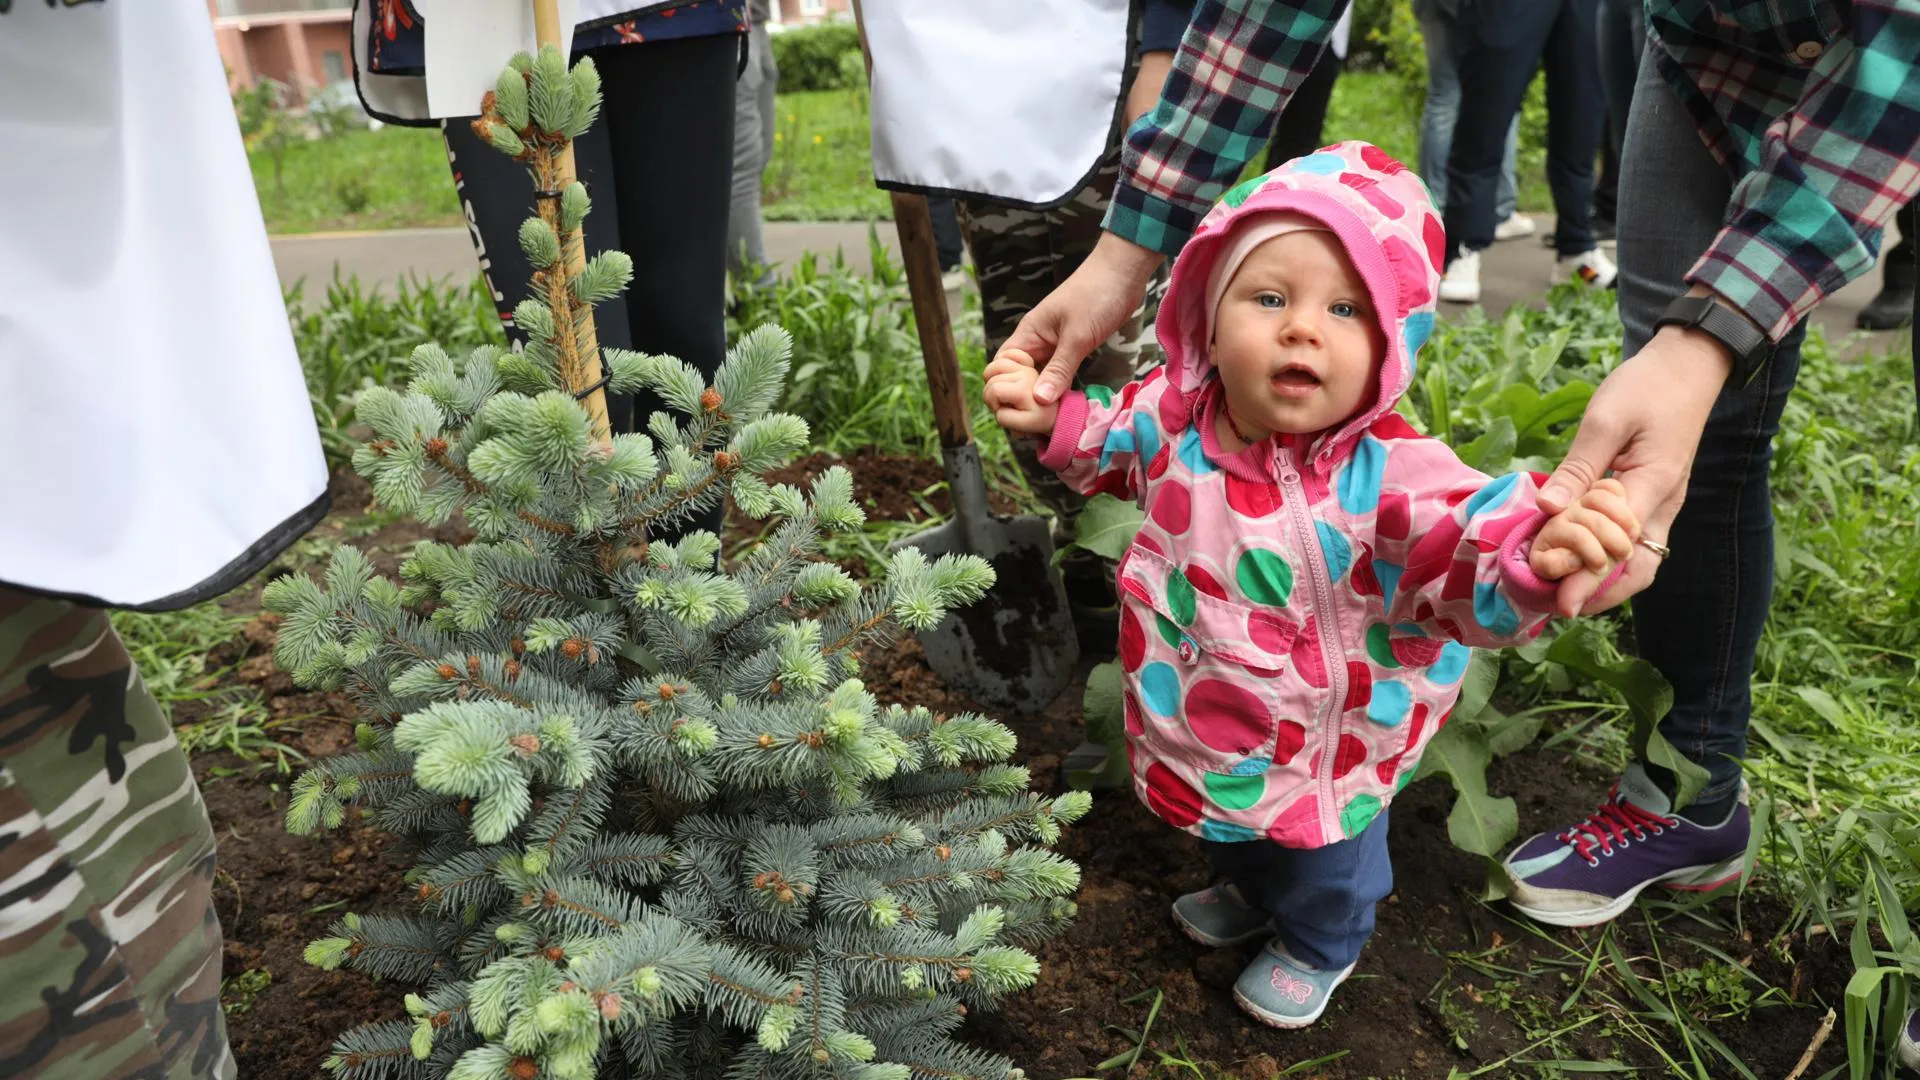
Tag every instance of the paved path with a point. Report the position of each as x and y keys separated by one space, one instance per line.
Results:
x=1516 y=271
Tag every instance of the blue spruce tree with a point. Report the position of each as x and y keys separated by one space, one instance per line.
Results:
x=656 y=826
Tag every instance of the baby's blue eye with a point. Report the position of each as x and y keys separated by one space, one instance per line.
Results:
x=1270 y=300
x=1344 y=309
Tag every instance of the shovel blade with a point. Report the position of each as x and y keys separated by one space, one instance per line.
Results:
x=1015 y=648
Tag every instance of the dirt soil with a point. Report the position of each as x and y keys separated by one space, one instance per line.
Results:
x=1414 y=1009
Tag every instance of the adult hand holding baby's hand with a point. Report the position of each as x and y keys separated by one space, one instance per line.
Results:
x=1083 y=311
x=1010 y=382
x=1598 y=530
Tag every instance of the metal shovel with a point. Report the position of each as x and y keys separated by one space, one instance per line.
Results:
x=1015 y=649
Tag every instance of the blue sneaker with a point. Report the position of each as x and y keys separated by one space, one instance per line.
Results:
x=1909 y=1048
x=1220 y=916
x=1590 y=873
x=1280 y=991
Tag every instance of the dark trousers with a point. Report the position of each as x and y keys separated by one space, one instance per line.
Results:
x=1899 y=258
x=946 y=231
x=659 y=165
x=1622 y=38
x=1298 y=131
x=1502 y=43
x=1322 y=899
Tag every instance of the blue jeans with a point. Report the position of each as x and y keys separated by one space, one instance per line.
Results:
x=1442 y=109
x=1500 y=44
x=1322 y=899
x=1699 y=622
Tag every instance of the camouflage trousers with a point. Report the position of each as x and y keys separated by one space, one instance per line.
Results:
x=1020 y=256
x=108 y=938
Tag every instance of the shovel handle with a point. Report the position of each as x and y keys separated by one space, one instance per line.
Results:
x=921 y=257
x=922 y=260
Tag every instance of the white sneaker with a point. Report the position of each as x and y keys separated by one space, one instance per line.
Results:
x=1592 y=267
x=954 y=280
x=1514 y=228
x=1461 y=285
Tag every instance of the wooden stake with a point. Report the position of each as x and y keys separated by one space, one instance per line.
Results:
x=583 y=366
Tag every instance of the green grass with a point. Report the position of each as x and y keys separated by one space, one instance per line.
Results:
x=821 y=170
x=397 y=177
x=393 y=178
x=822 y=165
x=212 y=710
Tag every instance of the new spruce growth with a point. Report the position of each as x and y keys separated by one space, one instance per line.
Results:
x=656 y=826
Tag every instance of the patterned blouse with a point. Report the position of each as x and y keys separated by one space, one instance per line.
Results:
x=399 y=41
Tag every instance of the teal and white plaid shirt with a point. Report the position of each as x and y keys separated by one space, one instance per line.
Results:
x=1814 y=105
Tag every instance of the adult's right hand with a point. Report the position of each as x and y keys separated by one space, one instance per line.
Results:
x=1086 y=309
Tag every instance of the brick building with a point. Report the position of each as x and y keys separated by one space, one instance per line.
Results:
x=802 y=12
x=306 y=44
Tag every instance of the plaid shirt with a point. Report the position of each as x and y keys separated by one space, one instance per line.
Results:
x=1813 y=105
x=1235 y=68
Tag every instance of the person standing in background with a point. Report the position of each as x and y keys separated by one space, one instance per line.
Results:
x=1622 y=34
x=753 y=123
x=1442 y=111
x=669 y=78
x=1500 y=45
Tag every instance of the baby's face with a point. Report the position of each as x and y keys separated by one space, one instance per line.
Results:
x=1296 y=340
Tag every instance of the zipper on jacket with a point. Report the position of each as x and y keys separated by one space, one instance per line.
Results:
x=1331 y=652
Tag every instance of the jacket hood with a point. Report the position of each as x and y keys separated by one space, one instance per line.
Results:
x=1381 y=213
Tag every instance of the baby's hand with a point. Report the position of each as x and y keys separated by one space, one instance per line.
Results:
x=1598 y=530
x=1010 y=380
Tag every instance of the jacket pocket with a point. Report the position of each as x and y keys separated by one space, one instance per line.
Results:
x=1205 y=670
x=1258 y=639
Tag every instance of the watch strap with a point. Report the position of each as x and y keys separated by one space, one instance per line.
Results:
x=1749 y=345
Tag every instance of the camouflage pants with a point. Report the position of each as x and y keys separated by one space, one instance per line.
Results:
x=108 y=938
x=1020 y=256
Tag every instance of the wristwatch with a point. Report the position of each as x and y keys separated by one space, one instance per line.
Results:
x=1748 y=343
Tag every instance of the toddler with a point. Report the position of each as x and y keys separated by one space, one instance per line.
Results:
x=1298 y=608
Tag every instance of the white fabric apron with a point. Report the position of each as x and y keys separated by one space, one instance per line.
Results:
x=157 y=440
x=959 y=109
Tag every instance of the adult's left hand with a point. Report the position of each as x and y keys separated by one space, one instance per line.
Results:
x=1643 y=426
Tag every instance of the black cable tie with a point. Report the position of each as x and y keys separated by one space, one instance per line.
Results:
x=540 y=193
x=605 y=378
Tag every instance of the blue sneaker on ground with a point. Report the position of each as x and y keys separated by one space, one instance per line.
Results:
x=1280 y=991
x=1220 y=916
x=1590 y=873
x=1909 y=1048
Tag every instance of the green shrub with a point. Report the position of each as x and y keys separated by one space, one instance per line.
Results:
x=352 y=193
x=811 y=57
x=1374 y=23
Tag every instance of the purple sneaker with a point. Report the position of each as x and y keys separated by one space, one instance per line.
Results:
x=1909 y=1048
x=1591 y=873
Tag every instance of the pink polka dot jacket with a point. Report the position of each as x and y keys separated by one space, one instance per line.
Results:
x=1296 y=619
